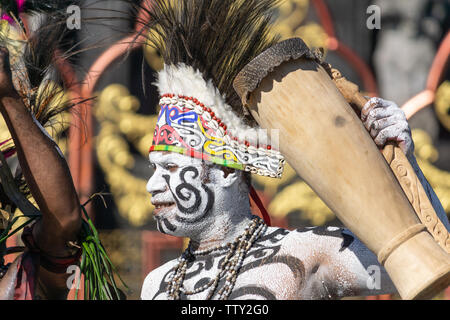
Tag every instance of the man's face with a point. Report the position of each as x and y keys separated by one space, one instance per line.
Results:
x=181 y=193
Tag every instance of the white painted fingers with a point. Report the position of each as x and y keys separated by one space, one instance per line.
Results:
x=386 y=122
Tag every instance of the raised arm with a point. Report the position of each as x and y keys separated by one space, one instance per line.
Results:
x=44 y=169
x=347 y=267
x=338 y=265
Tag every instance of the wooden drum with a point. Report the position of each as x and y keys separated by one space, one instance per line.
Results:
x=322 y=138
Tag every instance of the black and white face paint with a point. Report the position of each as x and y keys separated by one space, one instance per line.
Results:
x=180 y=194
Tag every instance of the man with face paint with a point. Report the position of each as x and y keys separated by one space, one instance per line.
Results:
x=203 y=152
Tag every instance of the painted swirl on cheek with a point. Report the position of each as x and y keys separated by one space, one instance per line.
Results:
x=185 y=192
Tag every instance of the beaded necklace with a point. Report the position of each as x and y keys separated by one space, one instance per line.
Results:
x=228 y=269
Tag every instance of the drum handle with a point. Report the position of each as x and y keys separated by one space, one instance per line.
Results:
x=400 y=166
x=349 y=90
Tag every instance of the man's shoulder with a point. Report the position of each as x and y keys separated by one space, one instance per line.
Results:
x=312 y=245
x=277 y=233
x=314 y=234
x=154 y=279
x=311 y=237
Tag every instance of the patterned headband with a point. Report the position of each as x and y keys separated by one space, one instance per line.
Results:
x=195 y=121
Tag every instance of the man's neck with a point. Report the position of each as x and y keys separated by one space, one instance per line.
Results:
x=227 y=220
x=225 y=229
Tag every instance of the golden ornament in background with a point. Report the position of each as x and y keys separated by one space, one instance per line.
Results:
x=289 y=24
x=442 y=104
x=439 y=179
x=119 y=126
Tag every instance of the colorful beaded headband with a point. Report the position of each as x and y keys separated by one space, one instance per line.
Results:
x=212 y=131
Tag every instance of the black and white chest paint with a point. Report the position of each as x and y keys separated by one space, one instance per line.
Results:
x=310 y=263
x=264 y=260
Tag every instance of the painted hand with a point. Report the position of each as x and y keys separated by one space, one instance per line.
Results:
x=386 y=122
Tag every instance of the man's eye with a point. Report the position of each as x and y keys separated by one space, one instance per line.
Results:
x=171 y=167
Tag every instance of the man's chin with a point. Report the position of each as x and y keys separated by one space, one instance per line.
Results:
x=164 y=226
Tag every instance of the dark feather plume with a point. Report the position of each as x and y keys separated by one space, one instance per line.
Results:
x=217 y=37
x=43 y=48
x=52 y=40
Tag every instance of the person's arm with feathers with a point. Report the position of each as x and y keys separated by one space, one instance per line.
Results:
x=46 y=173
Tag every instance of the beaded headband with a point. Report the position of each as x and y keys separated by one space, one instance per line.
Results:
x=196 y=121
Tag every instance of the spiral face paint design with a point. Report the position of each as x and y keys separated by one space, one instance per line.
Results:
x=185 y=193
x=179 y=193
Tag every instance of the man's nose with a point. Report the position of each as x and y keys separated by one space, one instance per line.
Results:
x=156 y=183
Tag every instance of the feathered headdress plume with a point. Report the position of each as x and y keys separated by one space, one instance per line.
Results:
x=34 y=53
x=216 y=37
x=205 y=44
x=14 y=7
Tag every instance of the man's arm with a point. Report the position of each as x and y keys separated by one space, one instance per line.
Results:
x=347 y=267
x=44 y=169
x=337 y=264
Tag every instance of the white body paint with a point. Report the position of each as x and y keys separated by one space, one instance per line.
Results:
x=315 y=263
x=307 y=264
x=385 y=122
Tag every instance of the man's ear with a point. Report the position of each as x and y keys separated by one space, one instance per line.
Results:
x=229 y=177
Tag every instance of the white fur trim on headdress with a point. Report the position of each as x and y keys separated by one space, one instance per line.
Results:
x=183 y=86
x=184 y=80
